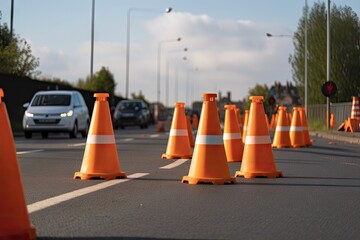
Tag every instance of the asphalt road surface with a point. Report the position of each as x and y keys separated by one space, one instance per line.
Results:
x=318 y=197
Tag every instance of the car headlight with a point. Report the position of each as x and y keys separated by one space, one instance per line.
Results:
x=29 y=114
x=68 y=114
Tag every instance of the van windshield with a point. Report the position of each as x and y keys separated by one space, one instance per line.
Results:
x=52 y=100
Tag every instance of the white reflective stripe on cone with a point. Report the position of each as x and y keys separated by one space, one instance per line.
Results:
x=209 y=140
x=296 y=129
x=178 y=132
x=282 y=128
x=305 y=128
x=231 y=136
x=100 y=139
x=258 y=140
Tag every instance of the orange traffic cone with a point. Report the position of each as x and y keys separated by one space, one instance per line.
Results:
x=209 y=161
x=353 y=122
x=246 y=120
x=355 y=109
x=332 y=121
x=232 y=137
x=190 y=133
x=14 y=218
x=305 y=127
x=100 y=159
x=267 y=121
x=160 y=126
x=178 y=143
x=296 y=130
x=195 y=120
x=281 y=137
x=258 y=158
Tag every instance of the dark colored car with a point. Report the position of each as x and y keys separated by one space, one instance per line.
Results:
x=131 y=113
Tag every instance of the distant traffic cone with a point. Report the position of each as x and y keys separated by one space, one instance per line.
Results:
x=14 y=218
x=296 y=130
x=282 y=137
x=209 y=160
x=178 y=144
x=195 y=120
x=100 y=159
x=332 y=121
x=355 y=109
x=352 y=124
x=240 y=119
x=190 y=133
x=267 y=121
x=305 y=127
x=258 y=157
x=160 y=126
x=232 y=137
x=246 y=120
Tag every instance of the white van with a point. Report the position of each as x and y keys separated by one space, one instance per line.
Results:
x=56 y=111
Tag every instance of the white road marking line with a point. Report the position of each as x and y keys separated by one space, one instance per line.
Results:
x=352 y=164
x=76 y=145
x=154 y=135
x=31 y=151
x=37 y=206
x=127 y=140
x=175 y=164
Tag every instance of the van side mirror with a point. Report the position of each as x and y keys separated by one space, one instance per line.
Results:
x=26 y=105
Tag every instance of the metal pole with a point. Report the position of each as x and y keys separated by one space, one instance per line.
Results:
x=11 y=17
x=328 y=63
x=167 y=83
x=92 y=39
x=158 y=72
x=306 y=59
x=176 y=85
x=127 y=54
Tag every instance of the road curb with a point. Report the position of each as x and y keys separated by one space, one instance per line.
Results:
x=354 y=140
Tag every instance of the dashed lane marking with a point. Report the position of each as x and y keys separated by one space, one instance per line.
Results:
x=37 y=206
x=127 y=140
x=154 y=135
x=175 y=164
x=31 y=151
x=77 y=145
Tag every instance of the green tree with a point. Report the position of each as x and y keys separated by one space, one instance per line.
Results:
x=345 y=53
x=102 y=81
x=259 y=90
x=16 y=55
x=139 y=96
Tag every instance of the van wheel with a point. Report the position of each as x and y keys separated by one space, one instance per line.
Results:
x=28 y=135
x=74 y=132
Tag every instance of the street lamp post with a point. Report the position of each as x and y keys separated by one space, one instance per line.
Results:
x=159 y=65
x=92 y=39
x=328 y=63
x=167 y=10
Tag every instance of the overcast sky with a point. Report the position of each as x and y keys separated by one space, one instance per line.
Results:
x=226 y=42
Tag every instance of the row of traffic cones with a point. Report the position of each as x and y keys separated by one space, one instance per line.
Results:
x=295 y=134
x=213 y=149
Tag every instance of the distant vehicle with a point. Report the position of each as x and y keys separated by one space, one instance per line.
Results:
x=131 y=113
x=56 y=111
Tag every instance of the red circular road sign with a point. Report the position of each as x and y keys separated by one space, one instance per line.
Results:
x=329 y=89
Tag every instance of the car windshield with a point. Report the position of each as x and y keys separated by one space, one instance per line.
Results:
x=130 y=106
x=52 y=100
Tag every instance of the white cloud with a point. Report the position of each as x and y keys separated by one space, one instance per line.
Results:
x=230 y=55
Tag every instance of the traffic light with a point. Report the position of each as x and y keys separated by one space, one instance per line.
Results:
x=329 y=89
x=272 y=101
